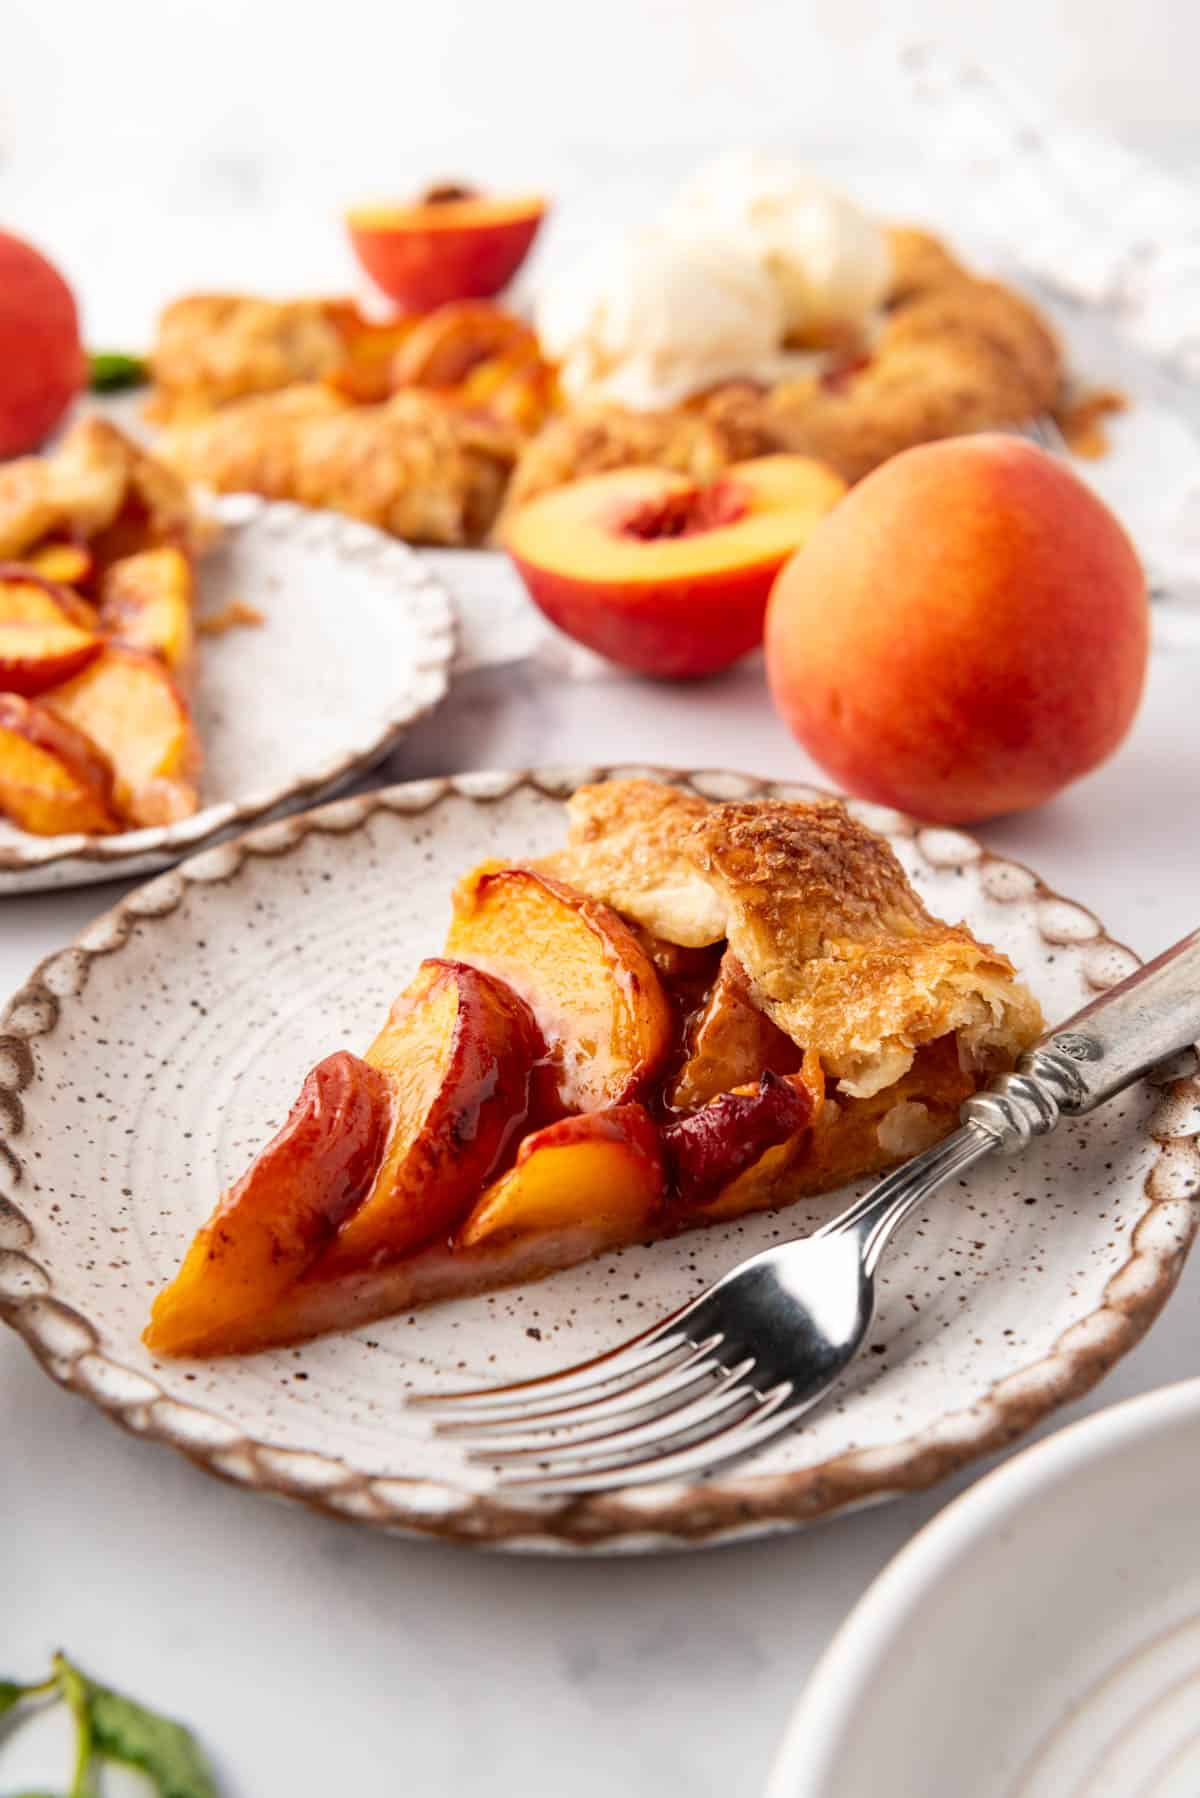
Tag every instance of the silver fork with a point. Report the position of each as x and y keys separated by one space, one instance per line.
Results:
x=740 y=1364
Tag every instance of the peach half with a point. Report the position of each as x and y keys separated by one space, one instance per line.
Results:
x=454 y=244
x=663 y=576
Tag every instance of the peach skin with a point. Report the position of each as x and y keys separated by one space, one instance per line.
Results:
x=132 y=709
x=53 y=779
x=277 y=1219
x=662 y=576
x=47 y=633
x=42 y=363
x=457 y=1055
x=965 y=635
x=603 y=1171
x=707 y=1150
x=454 y=244
x=597 y=998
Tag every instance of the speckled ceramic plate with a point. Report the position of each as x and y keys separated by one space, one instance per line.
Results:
x=356 y=643
x=141 y=1068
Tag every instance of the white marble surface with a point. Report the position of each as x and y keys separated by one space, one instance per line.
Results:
x=317 y=1658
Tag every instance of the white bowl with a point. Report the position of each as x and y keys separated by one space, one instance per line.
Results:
x=1039 y=1639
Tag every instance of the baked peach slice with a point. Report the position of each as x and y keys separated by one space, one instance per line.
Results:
x=146 y=603
x=131 y=708
x=599 y=1003
x=47 y=633
x=452 y=244
x=441 y=349
x=730 y=1042
x=53 y=779
x=458 y=1054
x=277 y=1220
x=67 y=564
x=663 y=576
x=602 y=1173
x=726 y=1157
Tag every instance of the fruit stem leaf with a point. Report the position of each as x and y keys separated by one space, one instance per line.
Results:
x=120 y=1729
x=113 y=371
x=73 y=1687
x=14 y=1691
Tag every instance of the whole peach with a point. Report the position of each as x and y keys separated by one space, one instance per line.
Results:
x=964 y=634
x=41 y=357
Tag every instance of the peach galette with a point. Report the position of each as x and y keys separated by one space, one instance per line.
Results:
x=762 y=313
x=689 y=1012
x=97 y=542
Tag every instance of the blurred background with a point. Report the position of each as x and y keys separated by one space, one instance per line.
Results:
x=152 y=143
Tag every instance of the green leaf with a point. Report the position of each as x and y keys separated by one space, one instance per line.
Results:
x=122 y=1730
x=12 y=1691
x=112 y=371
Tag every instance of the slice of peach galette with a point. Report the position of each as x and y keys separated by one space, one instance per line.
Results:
x=690 y=1012
x=98 y=542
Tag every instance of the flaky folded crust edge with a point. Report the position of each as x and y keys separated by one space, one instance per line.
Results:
x=839 y=950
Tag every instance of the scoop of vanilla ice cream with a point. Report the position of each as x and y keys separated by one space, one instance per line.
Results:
x=653 y=318
x=828 y=258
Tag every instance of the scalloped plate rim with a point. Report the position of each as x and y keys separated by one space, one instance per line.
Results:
x=723 y=1509
x=132 y=852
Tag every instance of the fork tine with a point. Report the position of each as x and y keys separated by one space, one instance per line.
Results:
x=571 y=1385
x=725 y=1439
x=693 y=1404
x=650 y=1389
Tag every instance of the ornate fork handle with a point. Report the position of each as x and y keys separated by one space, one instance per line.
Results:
x=1096 y=1054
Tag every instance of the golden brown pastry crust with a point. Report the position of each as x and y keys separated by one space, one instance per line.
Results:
x=81 y=487
x=920 y=262
x=839 y=950
x=416 y=466
x=969 y=356
x=623 y=842
x=215 y=347
x=601 y=438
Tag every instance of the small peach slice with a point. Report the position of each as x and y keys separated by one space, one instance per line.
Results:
x=770 y=1179
x=279 y=1217
x=53 y=779
x=710 y=1148
x=594 y=991
x=46 y=632
x=458 y=1054
x=68 y=564
x=442 y=349
x=602 y=1173
x=730 y=1042
x=128 y=704
x=146 y=603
